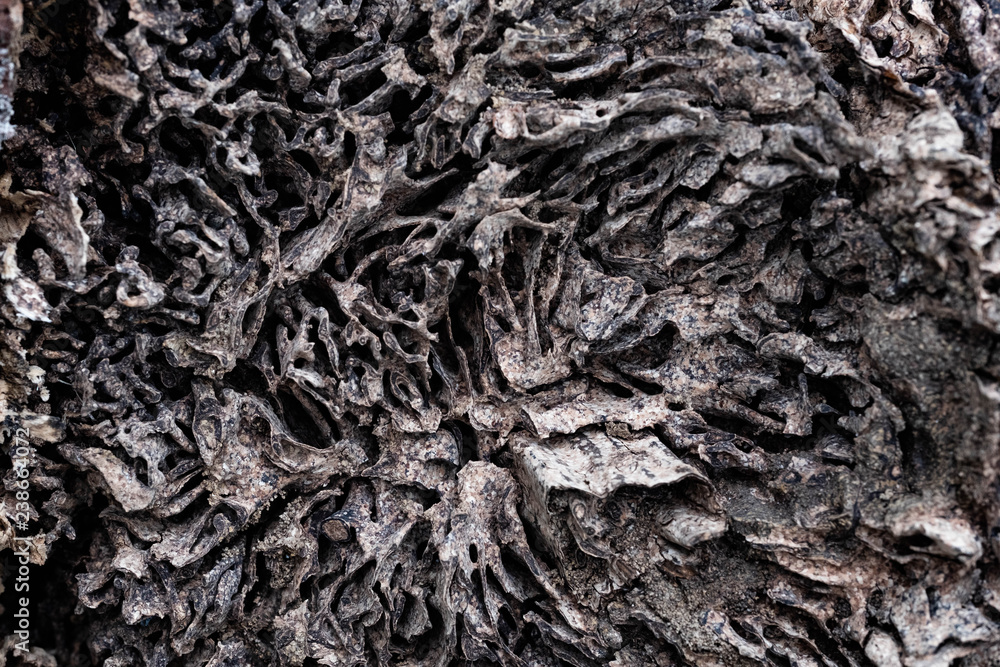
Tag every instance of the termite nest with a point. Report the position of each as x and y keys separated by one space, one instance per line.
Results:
x=600 y=332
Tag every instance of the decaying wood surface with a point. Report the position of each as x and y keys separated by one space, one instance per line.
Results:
x=583 y=332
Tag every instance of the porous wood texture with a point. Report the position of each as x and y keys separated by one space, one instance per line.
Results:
x=472 y=332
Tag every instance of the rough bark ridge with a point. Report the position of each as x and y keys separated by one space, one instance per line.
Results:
x=598 y=332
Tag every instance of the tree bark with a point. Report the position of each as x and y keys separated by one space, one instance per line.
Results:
x=600 y=332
